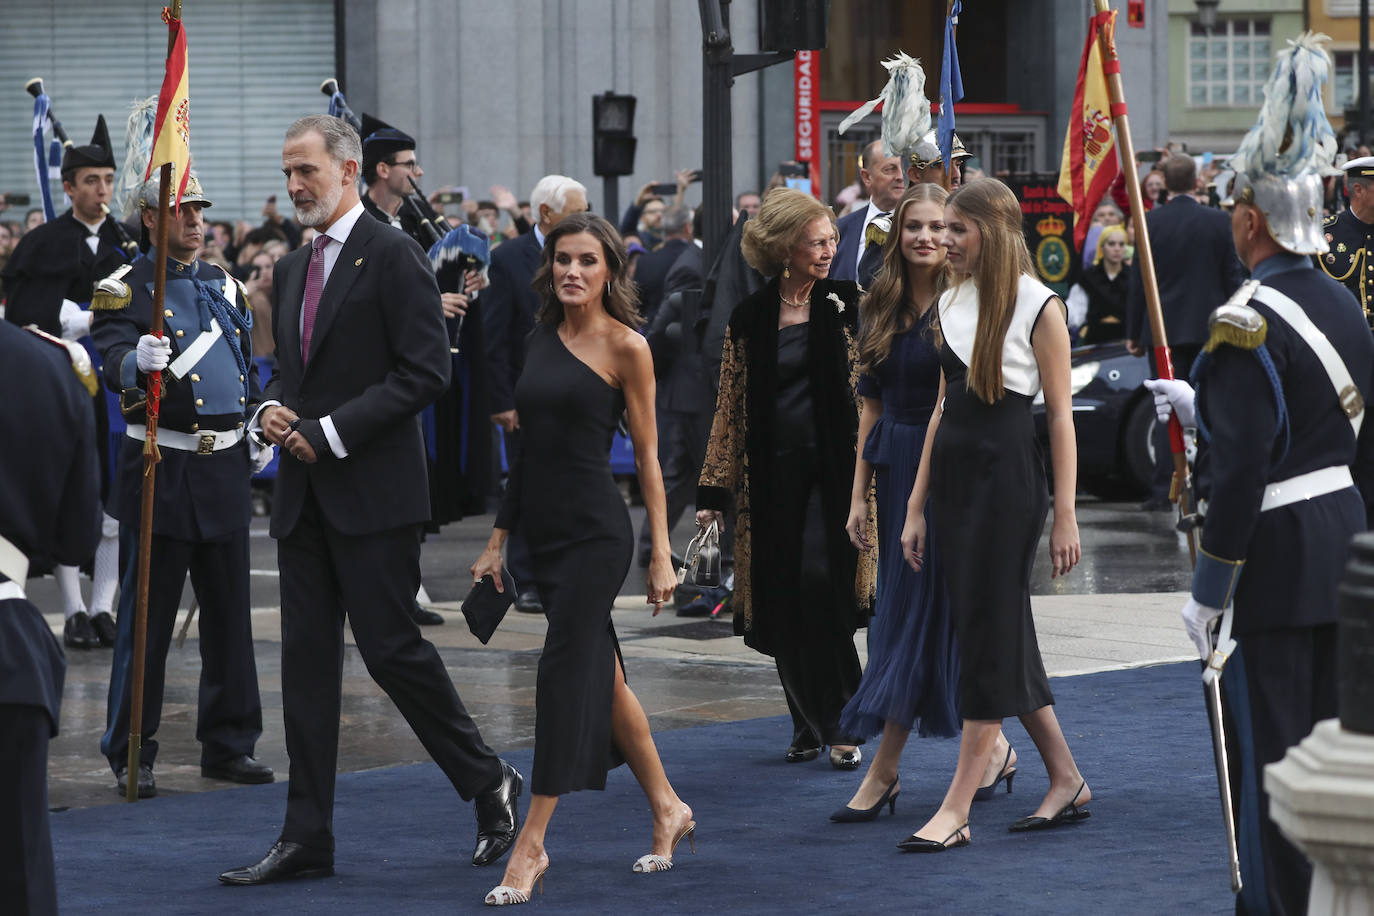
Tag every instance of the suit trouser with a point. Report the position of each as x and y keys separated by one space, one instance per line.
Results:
x=1277 y=686
x=28 y=880
x=371 y=579
x=1182 y=356
x=229 y=713
x=681 y=447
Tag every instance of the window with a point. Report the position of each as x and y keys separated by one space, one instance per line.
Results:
x=1344 y=92
x=1227 y=66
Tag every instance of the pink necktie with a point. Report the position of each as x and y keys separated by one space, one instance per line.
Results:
x=314 y=285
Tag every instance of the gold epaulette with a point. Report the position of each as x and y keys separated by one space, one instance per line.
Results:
x=1237 y=323
x=1330 y=220
x=81 y=360
x=112 y=293
x=243 y=295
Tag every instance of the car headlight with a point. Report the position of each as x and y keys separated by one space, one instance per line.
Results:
x=1079 y=378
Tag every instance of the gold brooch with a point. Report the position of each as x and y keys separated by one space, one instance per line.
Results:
x=358 y=263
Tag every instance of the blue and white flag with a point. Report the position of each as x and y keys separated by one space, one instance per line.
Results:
x=951 y=86
x=47 y=161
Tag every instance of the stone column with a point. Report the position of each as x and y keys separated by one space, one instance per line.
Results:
x=1321 y=794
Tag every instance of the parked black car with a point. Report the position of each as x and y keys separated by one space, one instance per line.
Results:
x=1114 y=418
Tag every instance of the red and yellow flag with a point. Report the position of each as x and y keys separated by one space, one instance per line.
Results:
x=1090 y=162
x=172 y=129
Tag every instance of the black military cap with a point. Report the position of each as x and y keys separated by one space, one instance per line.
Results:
x=98 y=154
x=380 y=140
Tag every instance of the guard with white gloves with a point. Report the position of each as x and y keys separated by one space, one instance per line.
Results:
x=202 y=504
x=1173 y=396
x=1282 y=385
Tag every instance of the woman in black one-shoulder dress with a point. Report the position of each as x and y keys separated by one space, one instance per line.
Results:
x=586 y=365
x=1004 y=336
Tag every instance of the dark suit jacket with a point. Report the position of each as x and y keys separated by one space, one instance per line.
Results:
x=1196 y=266
x=378 y=355
x=652 y=271
x=675 y=340
x=845 y=266
x=508 y=308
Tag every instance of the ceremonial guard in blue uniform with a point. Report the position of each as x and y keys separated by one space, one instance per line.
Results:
x=49 y=512
x=1284 y=454
x=201 y=496
x=48 y=282
x=1350 y=237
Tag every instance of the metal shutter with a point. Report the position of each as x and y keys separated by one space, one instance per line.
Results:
x=256 y=65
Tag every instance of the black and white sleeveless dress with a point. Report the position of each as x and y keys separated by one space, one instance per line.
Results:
x=989 y=501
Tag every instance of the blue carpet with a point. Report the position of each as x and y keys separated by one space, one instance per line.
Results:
x=765 y=845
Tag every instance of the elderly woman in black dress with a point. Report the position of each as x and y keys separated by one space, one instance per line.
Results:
x=588 y=364
x=782 y=450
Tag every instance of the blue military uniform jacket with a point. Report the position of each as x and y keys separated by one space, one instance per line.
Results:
x=197 y=496
x=1281 y=566
x=1350 y=261
x=49 y=500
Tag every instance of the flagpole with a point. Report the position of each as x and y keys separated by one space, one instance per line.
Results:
x=151 y=457
x=1143 y=252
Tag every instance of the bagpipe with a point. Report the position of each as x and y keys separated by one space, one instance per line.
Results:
x=43 y=115
x=453 y=251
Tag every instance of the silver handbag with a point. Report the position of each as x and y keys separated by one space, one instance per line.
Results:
x=701 y=562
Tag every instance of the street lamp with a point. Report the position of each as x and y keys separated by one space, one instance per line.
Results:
x=1207 y=13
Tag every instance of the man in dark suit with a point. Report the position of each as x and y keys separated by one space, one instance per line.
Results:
x=49 y=512
x=1196 y=267
x=860 y=252
x=652 y=269
x=508 y=309
x=361 y=349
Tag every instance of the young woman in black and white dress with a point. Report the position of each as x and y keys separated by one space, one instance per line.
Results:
x=1004 y=338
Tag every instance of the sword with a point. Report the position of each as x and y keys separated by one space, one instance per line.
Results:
x=1211 y=692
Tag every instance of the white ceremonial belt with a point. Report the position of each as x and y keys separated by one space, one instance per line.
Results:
x=1306 y=486
x=1347 y=393
x=198 y=348
x=200 y=443
x=14 y=565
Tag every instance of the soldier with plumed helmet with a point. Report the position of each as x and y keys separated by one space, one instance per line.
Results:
x=1284 y=456
x=202 y=505
x=1349 y=236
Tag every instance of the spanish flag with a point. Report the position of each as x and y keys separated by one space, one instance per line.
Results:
x=1090 y=162
x=172 y=129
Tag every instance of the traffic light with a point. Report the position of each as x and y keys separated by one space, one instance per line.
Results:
x=794 y=25
x=613 y=140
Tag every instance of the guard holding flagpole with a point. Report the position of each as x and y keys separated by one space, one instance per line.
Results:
x=1281 y=392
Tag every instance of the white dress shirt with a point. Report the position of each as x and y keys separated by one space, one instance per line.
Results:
x=873 y=213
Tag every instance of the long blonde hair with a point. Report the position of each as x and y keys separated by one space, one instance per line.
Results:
x=887 y=309
x=1003 y=258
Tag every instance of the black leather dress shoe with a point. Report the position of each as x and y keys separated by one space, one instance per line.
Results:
x=77 y=632
x=104 y=626
x=498 y=817
x=242 y=769
x=284 y=860
x=424 y=616
x=147 y=787
x=527 y=602
x=801 y=754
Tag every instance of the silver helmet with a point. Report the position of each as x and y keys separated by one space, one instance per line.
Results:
x=1281 y=162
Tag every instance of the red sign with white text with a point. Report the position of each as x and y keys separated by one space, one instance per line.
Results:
x=807 y=112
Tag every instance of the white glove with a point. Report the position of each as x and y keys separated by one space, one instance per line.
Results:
x=259 y=456
x=154 y=353
x=1173 y=395
x=76 y=323
x=1198 y=620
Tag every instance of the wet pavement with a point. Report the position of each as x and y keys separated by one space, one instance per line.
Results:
x=1118 y=608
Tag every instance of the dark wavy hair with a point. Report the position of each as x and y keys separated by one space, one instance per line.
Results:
x=886 y=309
x=620 y=298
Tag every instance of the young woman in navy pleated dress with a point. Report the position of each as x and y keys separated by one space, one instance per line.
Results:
x=1003 y=336
x=912 y=677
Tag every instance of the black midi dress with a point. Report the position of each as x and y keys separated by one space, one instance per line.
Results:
x=989 y=501
x=562 y=497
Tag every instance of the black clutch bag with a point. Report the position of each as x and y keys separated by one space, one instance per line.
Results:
x=484 y=607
